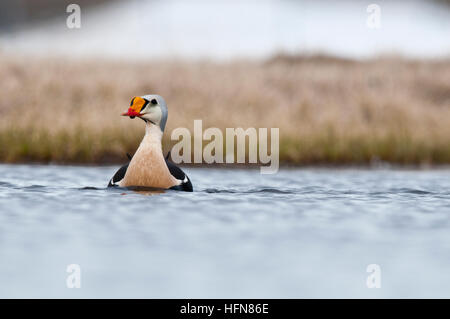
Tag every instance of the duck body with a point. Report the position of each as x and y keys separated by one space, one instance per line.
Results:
x=174 y=170
x=148 y=168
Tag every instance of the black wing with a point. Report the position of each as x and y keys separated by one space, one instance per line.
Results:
x=118 y=176
x=176 y=172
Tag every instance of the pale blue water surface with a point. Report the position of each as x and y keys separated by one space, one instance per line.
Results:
x=298 y=233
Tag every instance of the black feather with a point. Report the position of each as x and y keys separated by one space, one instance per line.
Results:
x=180 y=175
x=119 y=175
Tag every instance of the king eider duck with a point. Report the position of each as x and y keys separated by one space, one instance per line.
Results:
x=148 y=167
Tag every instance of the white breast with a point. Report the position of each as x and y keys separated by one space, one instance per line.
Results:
x=148 y=167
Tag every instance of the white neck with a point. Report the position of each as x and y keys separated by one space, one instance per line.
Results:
x=153 y=134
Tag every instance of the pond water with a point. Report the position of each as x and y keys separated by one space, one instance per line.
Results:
x=298 y=233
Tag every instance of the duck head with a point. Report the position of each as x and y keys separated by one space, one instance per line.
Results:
x=151 y=108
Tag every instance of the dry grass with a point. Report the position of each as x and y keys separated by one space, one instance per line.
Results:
x=328 y=110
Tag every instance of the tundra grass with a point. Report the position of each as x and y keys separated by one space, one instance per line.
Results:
x=328 y=110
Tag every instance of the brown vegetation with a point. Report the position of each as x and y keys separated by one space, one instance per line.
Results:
x=328 y=110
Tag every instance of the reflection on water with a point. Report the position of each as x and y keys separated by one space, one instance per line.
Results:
x=226 y=29
x=299 y=233
x=146 y=190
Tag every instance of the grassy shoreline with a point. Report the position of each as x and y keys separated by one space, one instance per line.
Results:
x=330 y=111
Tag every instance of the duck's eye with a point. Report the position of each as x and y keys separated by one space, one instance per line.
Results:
x=154 y=102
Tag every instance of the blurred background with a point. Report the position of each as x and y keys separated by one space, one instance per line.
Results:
x=340 y=91
x=226 y=29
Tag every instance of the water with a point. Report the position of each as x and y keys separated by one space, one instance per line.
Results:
x=247 y=28
x=298 y=233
